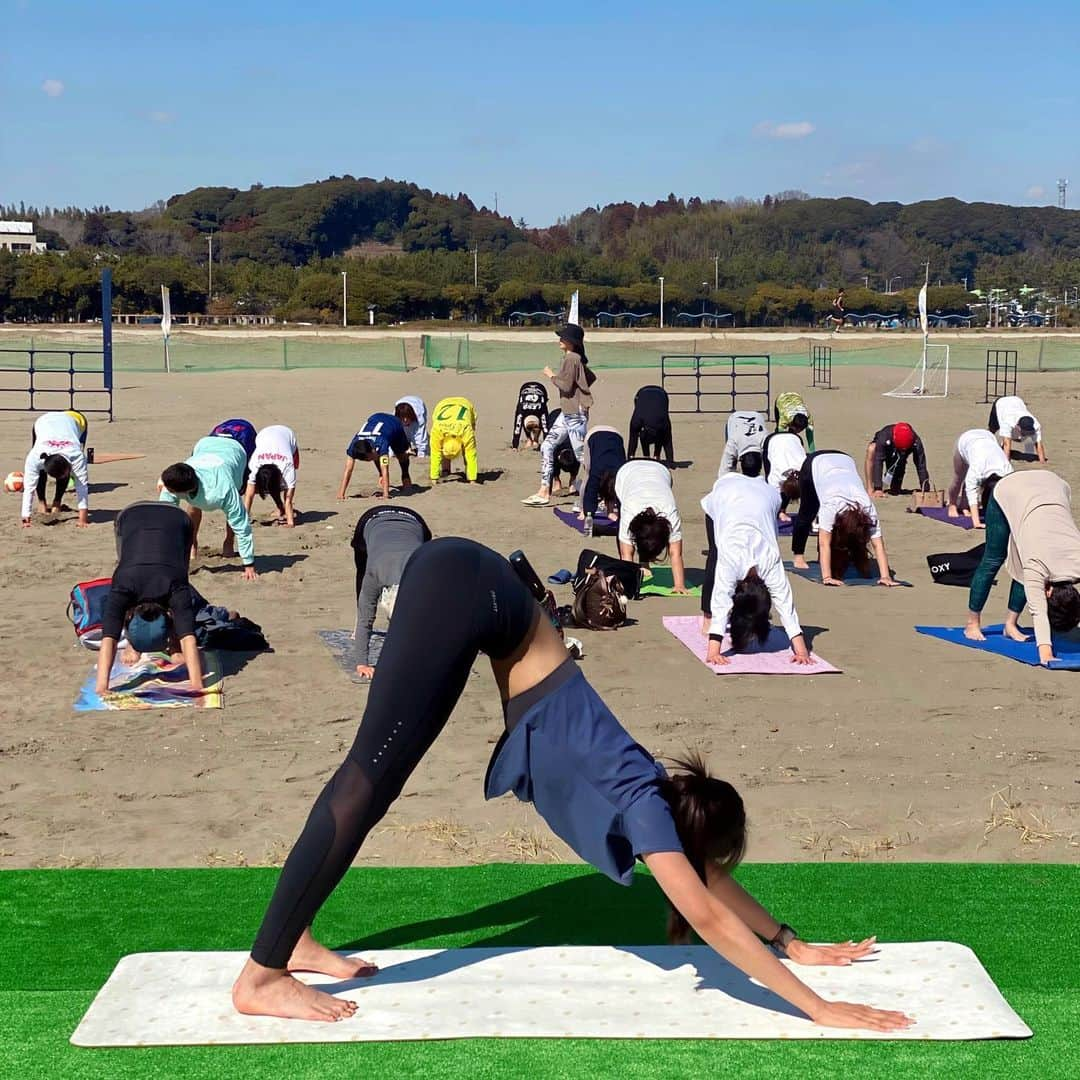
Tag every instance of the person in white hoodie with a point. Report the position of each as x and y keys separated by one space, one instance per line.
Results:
x=978 y=460
x=58 y=452
x=744 y=574
x=412 y=412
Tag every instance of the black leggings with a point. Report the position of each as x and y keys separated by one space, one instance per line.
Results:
x=456 y=599
x=710 y=567
x=809 y=504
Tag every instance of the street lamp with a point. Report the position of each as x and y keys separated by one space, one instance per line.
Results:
x=210 y=269
x=344 y=297
x=716 y=272
x=661 y=303
x=889 y=281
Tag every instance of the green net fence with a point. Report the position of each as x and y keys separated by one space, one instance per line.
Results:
x=491 y=351
x=212 y=352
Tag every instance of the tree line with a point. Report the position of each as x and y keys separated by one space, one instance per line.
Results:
x=414 y=254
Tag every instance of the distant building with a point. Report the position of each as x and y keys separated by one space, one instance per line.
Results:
x=19 y=237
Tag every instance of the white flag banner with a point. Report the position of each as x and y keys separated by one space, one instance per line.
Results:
x=166 y=312
x=922 y=310
x=573 y=316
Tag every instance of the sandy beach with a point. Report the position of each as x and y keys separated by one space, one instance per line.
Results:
x=918 y=751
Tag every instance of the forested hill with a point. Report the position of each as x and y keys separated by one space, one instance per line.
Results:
x=408 y=250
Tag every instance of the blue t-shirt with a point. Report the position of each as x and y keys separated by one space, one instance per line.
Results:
x=597 y=789
x=385 y=433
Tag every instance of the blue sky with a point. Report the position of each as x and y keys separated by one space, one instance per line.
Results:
x=554 y=105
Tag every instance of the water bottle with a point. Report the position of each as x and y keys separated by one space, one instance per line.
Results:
x=588 y=524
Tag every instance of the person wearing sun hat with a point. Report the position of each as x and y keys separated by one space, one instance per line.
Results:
x=453 y=433
x=573 y=381
x=887 y=456
x=1012 y=421
x=150 y=601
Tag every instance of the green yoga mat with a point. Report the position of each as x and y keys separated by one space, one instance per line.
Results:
x=66 y=929
x=660 y=584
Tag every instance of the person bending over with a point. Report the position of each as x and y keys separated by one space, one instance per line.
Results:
x=744 y=575
x=565 y=462
x=791 y=414
x=150 y=601
x=1012 y=421
x=383 y=541
x=651 y=423
x=887 y=455
x=744 y=432
x=573 y=380
x=783 y=456
x=605 y=455
x=412 y=414
x=649 y=522
x=243 y=431
x=453 y=432
x=831 y=491
x=212 y=479
x=530 y=416
x=272 y=471
x=978 y=464
x=381 y=436
x=57 y=452
x=1029 y=525
x=564 y=751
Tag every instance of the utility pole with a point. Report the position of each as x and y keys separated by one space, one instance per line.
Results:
x=210 y=269
x=716 y=272
x=344 y=297
x=661 y=303
x=476 y=267
x=496 y=202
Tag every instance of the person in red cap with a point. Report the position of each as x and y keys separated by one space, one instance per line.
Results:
x=886 y=459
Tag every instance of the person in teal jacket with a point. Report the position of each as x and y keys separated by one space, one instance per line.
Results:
x=212 y=479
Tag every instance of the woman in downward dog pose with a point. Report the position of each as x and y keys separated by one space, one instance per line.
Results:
x=272 y=471
x=649 y=522
x=744 y=575
x=601 y=792
x=978 y=464
x=57 y=453
x=831 y=491
x=783 y=455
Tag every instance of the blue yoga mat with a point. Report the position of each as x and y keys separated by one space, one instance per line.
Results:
x=1067 y=650
x=851 y=577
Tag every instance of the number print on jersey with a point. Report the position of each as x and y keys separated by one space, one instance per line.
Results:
x=751 y=428
x=447 y=413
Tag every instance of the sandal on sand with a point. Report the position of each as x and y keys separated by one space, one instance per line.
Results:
x=536 y=500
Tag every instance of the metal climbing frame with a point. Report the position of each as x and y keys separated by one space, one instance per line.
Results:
x=1000 y=374
x=821 y=366
x=717 y=383
x=84 y=366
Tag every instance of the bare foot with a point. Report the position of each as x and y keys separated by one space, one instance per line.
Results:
x=261 y=991
x=309 y=955
x=1014 y=633
x=973 y=633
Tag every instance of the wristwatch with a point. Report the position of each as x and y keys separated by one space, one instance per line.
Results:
x=783 y=938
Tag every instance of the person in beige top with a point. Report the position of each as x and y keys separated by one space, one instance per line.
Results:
x=1030 y=529
x=572 y=380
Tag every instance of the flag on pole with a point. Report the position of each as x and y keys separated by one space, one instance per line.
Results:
x=922 y=310
x=166 y=311
x=573 y=316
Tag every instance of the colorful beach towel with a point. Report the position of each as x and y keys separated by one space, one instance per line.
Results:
x=154 y=682
x=1066 y=649
x=771 y=658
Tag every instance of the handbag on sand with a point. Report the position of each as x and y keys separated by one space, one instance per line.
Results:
x=933 y=497
x=629 y=573
x=599 y=600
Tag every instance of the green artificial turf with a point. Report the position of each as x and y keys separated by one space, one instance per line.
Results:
x=64 y=930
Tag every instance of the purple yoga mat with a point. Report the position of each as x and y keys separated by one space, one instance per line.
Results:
x=602 y=525
x=940 y=513
x=772 y=658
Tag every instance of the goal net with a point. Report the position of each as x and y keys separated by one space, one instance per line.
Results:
x=930 y=377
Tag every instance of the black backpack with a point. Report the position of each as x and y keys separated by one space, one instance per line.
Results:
x=955 y=569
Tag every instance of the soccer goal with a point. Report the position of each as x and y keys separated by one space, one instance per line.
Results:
x=930 y=378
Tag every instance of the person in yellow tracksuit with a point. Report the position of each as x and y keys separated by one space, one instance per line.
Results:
x=453 y=432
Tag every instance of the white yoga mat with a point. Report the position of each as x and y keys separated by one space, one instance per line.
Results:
x=598 y=992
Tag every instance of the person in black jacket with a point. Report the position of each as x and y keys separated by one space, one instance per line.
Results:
x=150 y=599
x=886 y=459
x=651 y=423
x=531 y=415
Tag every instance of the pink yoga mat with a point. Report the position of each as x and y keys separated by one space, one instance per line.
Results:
x=772 y=658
